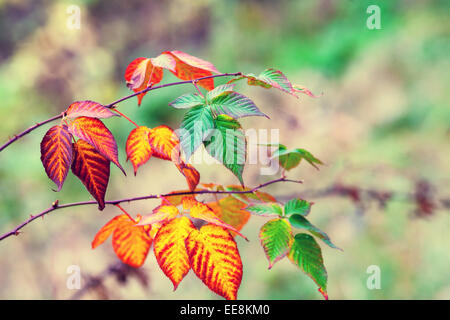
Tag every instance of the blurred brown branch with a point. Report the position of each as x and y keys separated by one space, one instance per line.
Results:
x=423 y=196
x=122 y=272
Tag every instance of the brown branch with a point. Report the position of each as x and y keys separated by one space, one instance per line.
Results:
x=57 y=206
x=112 y=104
x=422 y=196
x=119 y=270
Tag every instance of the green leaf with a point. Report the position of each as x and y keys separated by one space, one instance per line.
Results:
x=228 y=145
x=290 y=159
x=299 y=221
x=275 y=237
x=235 y=105
x=269 y=78
x=196 y=127
x=306 y=253
x=265 y=209
x=188 y=100
x=219 y=90
x=276 y=79
x=300 y=206
x=308 y=157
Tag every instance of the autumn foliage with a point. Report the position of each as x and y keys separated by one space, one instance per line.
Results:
x=185 y=231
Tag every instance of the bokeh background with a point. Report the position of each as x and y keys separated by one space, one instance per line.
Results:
x=381 y=123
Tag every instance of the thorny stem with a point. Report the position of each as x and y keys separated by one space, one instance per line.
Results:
x=59 y=116
x=57 y=206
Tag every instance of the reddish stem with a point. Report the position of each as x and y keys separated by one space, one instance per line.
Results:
x=115 y=110
x=124 y=211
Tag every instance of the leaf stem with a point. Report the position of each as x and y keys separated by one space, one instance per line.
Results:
x=124 y=211
x=115 y=110
x=194 y=82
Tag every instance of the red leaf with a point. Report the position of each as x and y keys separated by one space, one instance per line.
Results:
x=92 y=169
x=88 y=109
x=138 y=147
x=93 y=131
x=140 y=74
x=57 y=154
x=189 y=67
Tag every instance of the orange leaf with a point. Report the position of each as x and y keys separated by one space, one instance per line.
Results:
x=154 y=229
x=161 y=213
x=163 y=141
x=190 y=173
x=215 y=259
x=202 y=211
x=165 y=61
x=231 y=211
x=57 y=154
x=177 y=199
x=94 y=132
x=170 y=250
x=188 y=202
x=88 y=109
x=249 y=197
x=194 y=61
x=92 y=169
x=131 y=243
x=141 y=73
x=138 y=147
x=189 y=68
x=107 y=230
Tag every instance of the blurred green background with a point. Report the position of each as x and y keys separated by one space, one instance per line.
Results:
x=382 y=122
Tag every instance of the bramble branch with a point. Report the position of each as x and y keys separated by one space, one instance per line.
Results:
x=57 y=206
x=112 y=104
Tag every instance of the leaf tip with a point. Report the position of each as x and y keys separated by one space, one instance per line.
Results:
x=324 y=293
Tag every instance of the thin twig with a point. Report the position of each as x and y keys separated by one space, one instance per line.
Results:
x=151 y=88
x=37 y=125
x=57 y=206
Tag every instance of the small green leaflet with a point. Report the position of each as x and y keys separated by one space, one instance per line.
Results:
x=289 y=159
x=188 y=100
x=299 y=221
x=275 y=237
x=195 y=128
x=299 y=206
x=306 y=253
x=269 y=78
x=219 y=90
x=234 y=105
x=265 y=209
x=228 y=145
